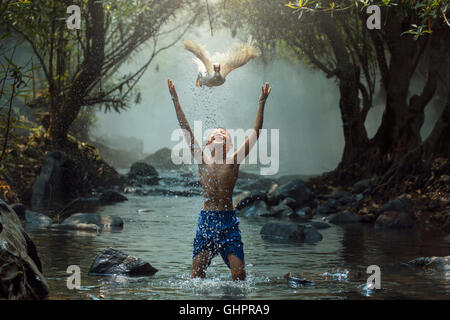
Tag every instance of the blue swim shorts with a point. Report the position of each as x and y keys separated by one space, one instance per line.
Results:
x=218 y=232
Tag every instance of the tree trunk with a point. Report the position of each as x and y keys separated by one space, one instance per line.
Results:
x=437 y=144
x=67 y=106
x=348 y=75
x=399 y=132
x=400 y=127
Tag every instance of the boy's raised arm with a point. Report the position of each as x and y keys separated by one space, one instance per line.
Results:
x=196 y=150
x=248 y=144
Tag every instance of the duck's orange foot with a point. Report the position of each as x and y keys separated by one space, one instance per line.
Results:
x=198 y=83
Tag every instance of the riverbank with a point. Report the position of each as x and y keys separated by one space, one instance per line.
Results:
x=23 y=164
x=426 y=194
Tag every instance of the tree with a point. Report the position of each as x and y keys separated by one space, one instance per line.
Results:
x=333 y=37
x=80 y=67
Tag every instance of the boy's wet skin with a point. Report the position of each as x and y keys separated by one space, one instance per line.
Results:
x=218 y=179
x=218 y=176
x=218 y=182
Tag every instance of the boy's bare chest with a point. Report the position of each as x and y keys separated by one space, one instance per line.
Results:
x=218 y=173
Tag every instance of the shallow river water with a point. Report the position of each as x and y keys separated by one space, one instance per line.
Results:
x=164 y=237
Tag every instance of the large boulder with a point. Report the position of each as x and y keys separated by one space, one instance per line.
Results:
x=143 y=173
x=114 y=262
x=57 y=182
x=295 y=189
x=290 y=232
x=90 y=221
x=20 y=268
x=257 y=209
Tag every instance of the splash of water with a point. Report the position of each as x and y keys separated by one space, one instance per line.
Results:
x=337 y=275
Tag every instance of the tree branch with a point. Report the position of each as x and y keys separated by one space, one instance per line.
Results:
x=36 y=52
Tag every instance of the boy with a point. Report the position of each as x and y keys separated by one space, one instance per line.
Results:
x=218 y=227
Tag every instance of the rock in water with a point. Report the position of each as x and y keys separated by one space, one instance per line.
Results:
x=282 y=211
x=291 y=232
x=329 y=207
x=143 y=173
x=319 y=225
x=114 y=262
x=35 y=220
x=337 y=275
x=343 y=217
x=396 y=214
x=90 y=221
x=438 y=263
x=142 y=169
x=296 y=281
x=395 y=220
x=295 y=189
x=111 y=196
x=20 y=267
x=257 y=209
x=301 y=214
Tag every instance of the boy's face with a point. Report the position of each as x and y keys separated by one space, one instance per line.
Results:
x=219 y=138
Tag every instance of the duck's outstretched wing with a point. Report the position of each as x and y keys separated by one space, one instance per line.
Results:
x=200 y=53
x=236 y=57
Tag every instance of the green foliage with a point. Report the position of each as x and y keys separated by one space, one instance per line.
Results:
x=73 y=75
x=426 y=13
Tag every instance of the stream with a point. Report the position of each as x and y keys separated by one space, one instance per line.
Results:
x=164 y=237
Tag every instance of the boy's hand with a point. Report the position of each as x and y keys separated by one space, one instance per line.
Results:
x=172 y=90
x=265 y=91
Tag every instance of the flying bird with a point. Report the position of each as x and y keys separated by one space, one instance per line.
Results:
x=213 y=70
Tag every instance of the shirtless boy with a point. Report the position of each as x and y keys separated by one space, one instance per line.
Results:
x=218 y=226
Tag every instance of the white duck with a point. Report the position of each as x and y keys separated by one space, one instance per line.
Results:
x=213 y=70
